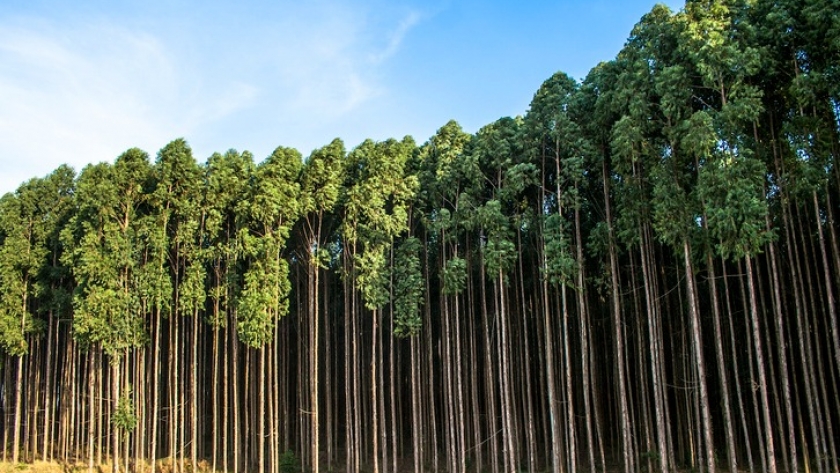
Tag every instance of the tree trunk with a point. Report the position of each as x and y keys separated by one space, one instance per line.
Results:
x=194 y=393
x=697 y=343
x=314 y=320
x=765 y=404
x=618 y=336
x=504 y=348
x=722 y=369
x=549 y=369
x=18 y=410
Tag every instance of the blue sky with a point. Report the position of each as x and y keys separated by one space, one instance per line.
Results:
x=81 y=82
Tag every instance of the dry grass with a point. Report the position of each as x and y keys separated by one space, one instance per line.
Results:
x=163 y=466
x=37 y=467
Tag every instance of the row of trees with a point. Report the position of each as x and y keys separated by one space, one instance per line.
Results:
x=641 y=271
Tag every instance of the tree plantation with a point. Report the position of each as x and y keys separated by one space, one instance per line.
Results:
x=640 y=274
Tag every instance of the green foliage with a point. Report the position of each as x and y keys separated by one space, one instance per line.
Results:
x=499 y=251
x=124 y=418
x=371 y=276
x=377 y=198
x=31 y=276
x=408 y=289
x=552 y=133
x=320 y=178
x=454 y=276
x=673 y=215
x=102 y=238
x=561 y=267
x=446 y=169
x=16 y=265
x=227 y=178
x=271 y=209
x=289 y=463
x=733 y=191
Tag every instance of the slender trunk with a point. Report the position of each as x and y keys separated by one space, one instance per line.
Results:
x=697 y=343
x=446 y=363
x=416 y=432
x=373 y=393
x=781 y=343
x=759 y=353
x=392 y=379
x=116 y=430
x=91 y=410
x=359 y=447
x=348 y=404
x=549 y=369
x=48 y=389
x=234 y=349
x=18 y=410
x=331 y=429
x=261 y=422
x=194 y=393
x=570 y=395
x=583 y=316
x=314 y=321
x=430 y=367
x=155 y=393
x=462 y=465
x=618 y=335
x=659 y=405
x=722 y=369
x=829 y=283
x=215 y=387
x=173 y=388
x=510 y=457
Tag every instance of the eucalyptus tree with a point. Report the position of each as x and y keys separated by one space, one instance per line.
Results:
x=448 y=177
x=498 y=148
x=376 y=201
x=799 y=134
x=637 y=143
x=801 y=43
x=320 y=182
x=228 y=181
x=711 y=40
x=154 y=288
x=102 y=241
x=676 y=212
x=561 y=149
x=28 y=219
x=178 y=197
x=594 y=109
x=54 y=288
x=271 y=208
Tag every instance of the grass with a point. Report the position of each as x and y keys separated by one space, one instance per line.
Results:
x=163 y=466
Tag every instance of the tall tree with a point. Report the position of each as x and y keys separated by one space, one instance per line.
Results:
x=320 y=186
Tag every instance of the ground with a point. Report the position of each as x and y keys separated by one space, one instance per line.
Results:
x=55 y=467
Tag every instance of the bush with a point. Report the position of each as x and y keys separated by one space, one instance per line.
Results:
x=289 y=463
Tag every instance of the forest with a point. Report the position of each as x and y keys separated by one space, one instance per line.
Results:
x=638 y=274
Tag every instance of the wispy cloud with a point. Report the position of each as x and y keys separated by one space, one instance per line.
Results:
x=397 y=36
x=81 y=90
x=60 y=104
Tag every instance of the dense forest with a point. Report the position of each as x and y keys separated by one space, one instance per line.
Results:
x=639 y=274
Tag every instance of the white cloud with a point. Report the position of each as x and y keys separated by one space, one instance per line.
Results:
x=397 y=36
x=79 y=90
x=63 y=106
x=86 y=94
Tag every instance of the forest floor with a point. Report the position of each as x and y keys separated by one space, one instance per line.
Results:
x=56 y=467
x=37 y=467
